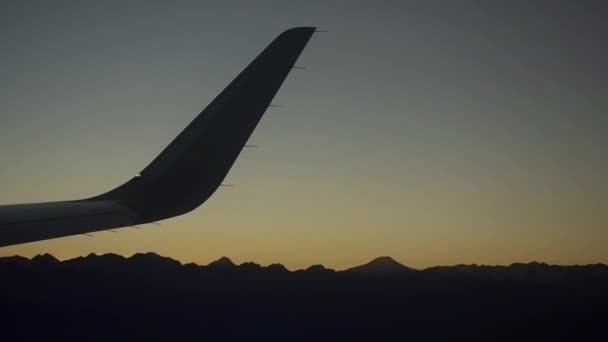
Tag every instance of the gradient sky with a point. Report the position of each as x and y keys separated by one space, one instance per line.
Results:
x=437 y=132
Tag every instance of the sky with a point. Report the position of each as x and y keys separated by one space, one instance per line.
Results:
x=436 y=132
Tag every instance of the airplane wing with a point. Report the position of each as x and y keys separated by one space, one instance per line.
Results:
x=185 y=174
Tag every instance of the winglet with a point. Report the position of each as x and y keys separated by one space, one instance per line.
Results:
x=193 y=166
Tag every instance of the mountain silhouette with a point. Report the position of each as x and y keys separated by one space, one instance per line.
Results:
x=250 y=267
x=46 y=259
x=384 y=266
x=319 y=269
x=381 y=266
x=95 y=261
x=16 y=259
x=222 y=263
x=277 y=268
x=151 y=297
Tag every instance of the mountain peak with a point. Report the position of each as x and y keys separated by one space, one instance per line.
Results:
x=45 y=259
x=384 y=260
x=150 y=259
x=222 y=262
x=148 y=255
x=250 y=266
x=382 y=266
x=277 y=268
x=318 y=269
x=15 y=259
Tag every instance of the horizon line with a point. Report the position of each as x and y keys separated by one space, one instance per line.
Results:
x=182 y=263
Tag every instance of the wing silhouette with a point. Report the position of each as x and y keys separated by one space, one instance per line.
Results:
x=185 y=174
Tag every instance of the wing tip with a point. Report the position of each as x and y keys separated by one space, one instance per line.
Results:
x=300 y=29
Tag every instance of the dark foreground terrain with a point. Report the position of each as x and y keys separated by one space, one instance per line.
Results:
x=148 y=297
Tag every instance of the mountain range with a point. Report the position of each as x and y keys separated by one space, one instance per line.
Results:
x=384 y=266
x=149 y=297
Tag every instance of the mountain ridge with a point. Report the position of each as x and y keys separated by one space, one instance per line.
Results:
x=380 y=266
x=147 y=288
